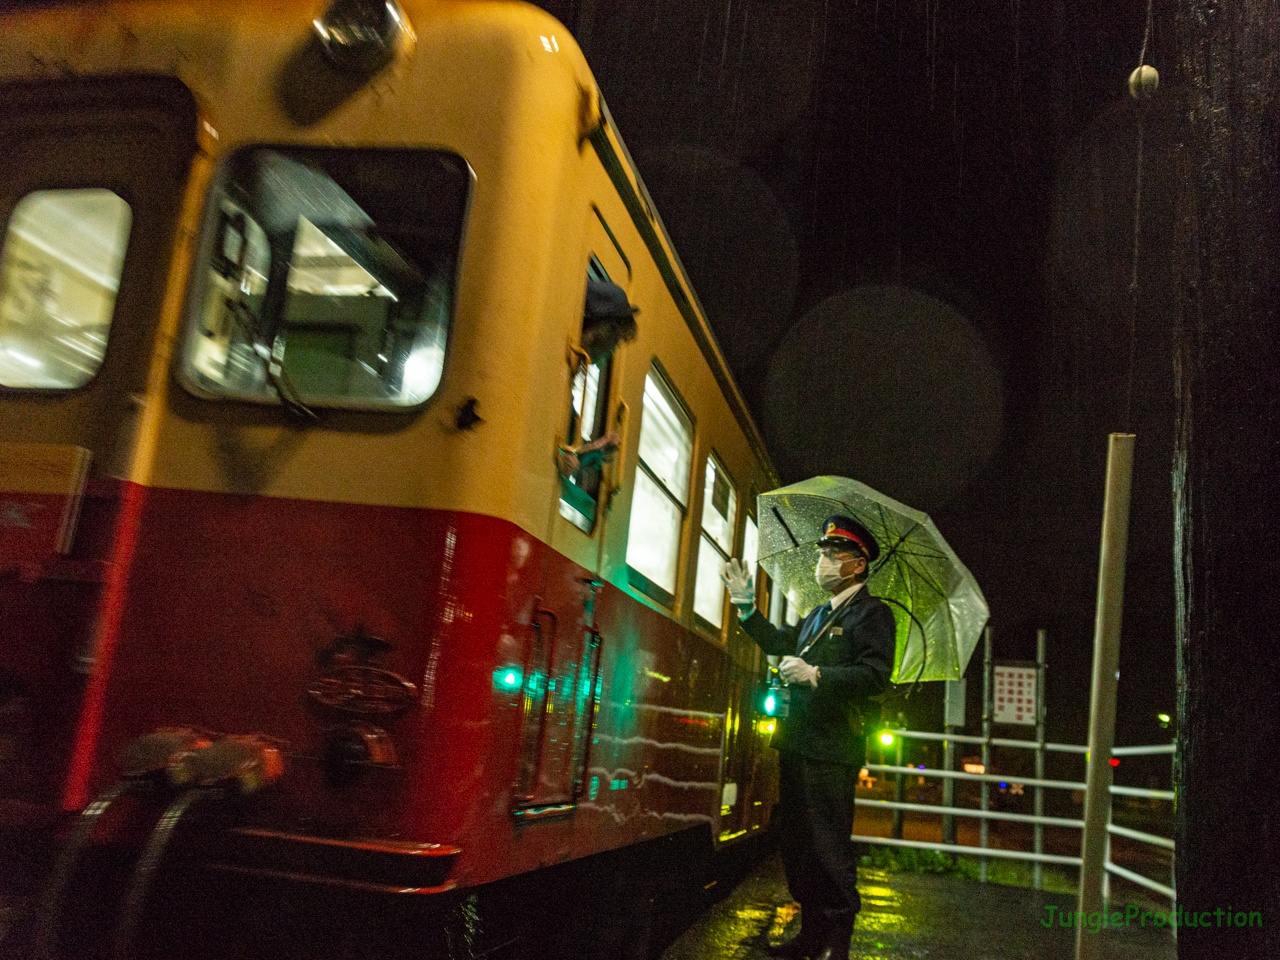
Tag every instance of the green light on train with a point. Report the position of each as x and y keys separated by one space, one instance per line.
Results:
x=507 y=678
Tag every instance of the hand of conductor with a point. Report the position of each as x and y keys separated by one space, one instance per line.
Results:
x=795 y=670
x=741 y=585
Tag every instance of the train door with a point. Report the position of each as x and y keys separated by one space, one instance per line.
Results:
x=562 y=677
x=91 y=180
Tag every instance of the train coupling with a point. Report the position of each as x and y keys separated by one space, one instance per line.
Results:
x=184 y=757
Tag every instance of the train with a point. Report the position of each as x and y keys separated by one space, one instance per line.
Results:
x=367 y=463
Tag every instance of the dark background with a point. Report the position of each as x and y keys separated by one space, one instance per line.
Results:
x=912 y=226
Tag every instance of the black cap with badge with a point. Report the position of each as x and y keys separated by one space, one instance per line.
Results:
x=838 y=531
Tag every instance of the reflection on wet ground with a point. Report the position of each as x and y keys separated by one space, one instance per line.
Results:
x=912 y=916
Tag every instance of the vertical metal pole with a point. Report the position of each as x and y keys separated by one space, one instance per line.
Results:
x=986 y=746
x=1037 y=877
x=1173 y=862
x=1102 y=706
x=897 y=783
x=953 y=723
x=949 y=787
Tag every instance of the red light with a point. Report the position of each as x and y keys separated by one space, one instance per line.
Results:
x=1114 y=761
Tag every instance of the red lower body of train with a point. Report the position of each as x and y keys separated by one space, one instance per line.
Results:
x=384 y=702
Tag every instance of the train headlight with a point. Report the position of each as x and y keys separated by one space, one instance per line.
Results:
x=363 y=35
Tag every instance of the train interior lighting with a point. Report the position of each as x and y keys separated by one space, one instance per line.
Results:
x=59 y=275
x=661 y=489
x=719 y=521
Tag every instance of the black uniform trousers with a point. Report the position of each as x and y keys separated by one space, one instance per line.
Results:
x=821 y=862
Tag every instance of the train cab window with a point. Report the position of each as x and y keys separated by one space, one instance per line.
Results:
x=59 y=274
x=661 y=494
x=328 y=277
x=719 y=521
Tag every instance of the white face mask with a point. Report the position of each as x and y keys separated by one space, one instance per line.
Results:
x=828 y=573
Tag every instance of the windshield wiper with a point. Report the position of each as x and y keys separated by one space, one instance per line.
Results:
x=272 y=364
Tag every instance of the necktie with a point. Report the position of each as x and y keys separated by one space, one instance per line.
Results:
x=816 y=624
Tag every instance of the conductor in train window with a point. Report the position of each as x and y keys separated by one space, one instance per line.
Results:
x=833 y=661
x=608 y=320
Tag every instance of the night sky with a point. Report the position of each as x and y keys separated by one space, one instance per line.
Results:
x=912 y=226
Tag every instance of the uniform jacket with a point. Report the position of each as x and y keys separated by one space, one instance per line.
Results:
x=855 y=659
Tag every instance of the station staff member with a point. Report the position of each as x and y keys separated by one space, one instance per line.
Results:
x=833 y=661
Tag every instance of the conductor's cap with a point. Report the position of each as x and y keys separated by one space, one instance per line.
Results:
x=838 y=531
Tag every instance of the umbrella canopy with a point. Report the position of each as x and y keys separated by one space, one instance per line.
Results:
x=939 y=609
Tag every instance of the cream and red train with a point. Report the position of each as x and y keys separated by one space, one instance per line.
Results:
x=290 y=310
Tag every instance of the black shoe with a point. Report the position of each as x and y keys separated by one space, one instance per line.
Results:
x=837 y=948
x=794 y=949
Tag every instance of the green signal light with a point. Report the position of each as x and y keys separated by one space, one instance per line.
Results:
x=1162 y=717
x=887 y=739
x=770 y=704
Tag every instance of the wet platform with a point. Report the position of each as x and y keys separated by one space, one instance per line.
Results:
x=914 y=916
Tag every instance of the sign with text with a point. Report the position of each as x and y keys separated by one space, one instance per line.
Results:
x=1015 y=695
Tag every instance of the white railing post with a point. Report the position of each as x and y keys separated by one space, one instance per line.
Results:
x=1037 y=879
x=1102 y=706
x=986 y=745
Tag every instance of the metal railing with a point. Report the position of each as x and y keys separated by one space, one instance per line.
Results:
x=985 y=814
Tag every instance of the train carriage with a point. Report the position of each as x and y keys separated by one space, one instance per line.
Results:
x=301 y=437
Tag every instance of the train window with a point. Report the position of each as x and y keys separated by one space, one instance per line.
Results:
x=751 y=544
x=588 y=415
x=328 y=277
x=59 y=274
x=777 y=604
x=751 y=557
x=791 y=611
x=661 y=493
x=719 y=520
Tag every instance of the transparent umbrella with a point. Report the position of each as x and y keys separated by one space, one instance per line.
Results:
x=938 y=606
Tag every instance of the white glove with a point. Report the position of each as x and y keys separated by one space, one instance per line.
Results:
x=741 y=585
x=795 y=670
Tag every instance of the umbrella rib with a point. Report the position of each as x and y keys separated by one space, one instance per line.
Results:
x=897 y=543
x=911 y=595
x=914 y=551
x=927 y=577
x=778 y=514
